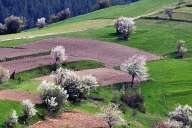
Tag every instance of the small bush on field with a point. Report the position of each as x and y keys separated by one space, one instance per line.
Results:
x=169 y=12
x=3 y=29
x=77 y=87
x=112 y=115
x=181 y=50
x=134 y=101
x=28 y=111
x=14 y=24
x=53 y=96
x=12 y=120
x=62 y=15
x=4 y=74
x=53 y=19
x=124 y=27
x=104 y=3
x=41 y=22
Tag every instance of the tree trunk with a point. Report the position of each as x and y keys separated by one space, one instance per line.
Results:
x=132 y=81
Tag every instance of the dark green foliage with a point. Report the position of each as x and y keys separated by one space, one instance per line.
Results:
x=14 y=24
x=134 y=101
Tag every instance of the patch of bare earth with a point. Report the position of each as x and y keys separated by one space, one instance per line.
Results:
x=19 y=96
x=72 y=120
x=109 y=53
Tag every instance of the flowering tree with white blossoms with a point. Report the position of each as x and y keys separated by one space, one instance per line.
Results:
x=77 y=87
x=58 y=53
x=182 y=116
x=136 y=67
x=28 y=110
x=41 y=22
x=12 y=120
x=124 y=26
x=4 y=74
x=112 y=115
x=53 y=96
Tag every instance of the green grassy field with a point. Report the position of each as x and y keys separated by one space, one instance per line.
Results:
x=170 y=85
x=149 y=33
x=97 y=19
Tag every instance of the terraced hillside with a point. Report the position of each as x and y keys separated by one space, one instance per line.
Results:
x=94 y=35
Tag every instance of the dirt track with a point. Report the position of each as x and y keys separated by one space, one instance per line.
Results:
x=19 y=96
x=72 y=120
x=109 y=53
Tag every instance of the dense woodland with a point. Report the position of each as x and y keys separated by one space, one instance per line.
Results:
x=33 y=9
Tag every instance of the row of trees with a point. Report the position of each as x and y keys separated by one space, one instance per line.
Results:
x=14 y=24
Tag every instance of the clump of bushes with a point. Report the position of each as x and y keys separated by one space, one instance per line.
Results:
x=181 y=50
x=104 y=3
x=112 y=115
x=53 y=96
x=124 y=27
x=12 y=120
x=28 y=111
x=41 y=22
x=62 y=15
x=135 y=101
x=77 y=87
x=14 y=24
x=181 y=117
x=4 y=74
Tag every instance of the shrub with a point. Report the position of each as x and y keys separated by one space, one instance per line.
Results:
x=12 y=120
x=64 y=14
x=53 y=96
x=4 y=74
x=58 y=53
x=111 y=114
x=77 y=87
x=134 y=101
x=53 y=19
x=124 y=26
x=28 y=110
x=169 y=12
x=41 y=22
x=180 y=49
x=135 y=66
x=3 y=29
x=104 y=3
x=14 y=24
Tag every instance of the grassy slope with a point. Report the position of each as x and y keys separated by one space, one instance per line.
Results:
x=149 y=33
x=82 y=22
x=168 y=88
